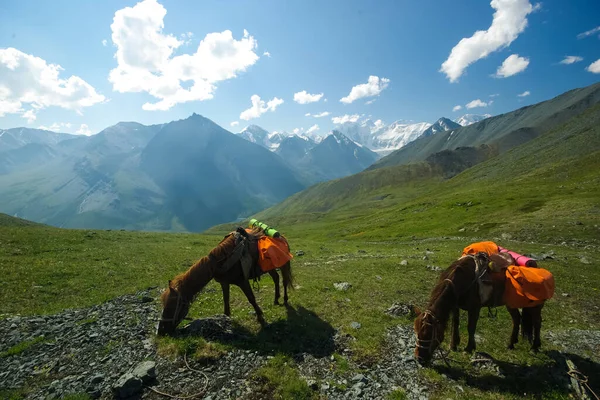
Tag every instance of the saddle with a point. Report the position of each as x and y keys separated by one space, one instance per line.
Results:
x=490 y=271
x=241 y=253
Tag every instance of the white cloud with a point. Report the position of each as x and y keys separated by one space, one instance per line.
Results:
x=259 y=107
x=478 y=103
x=304 y=97
x=509 y=21
x=594 y=67
x=588 y=33
x=312 y=129
x=298 y=130
x=370 y=102
x=379 y=124
x=373 y=87
x=456 y=108
x=307 y=114
x=571 y=60
x=267 y=54
x=57 y=127
x=29 y=115
x=345 y=118
x=145 y=61
x=104 y=42
x=26 y=79
x=323 y=114
x=84 y=130
x=512 y=66
x=524 y=94
x=235 y=123
x=494 y=95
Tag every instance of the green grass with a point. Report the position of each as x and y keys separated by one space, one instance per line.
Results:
x=21 y=347
x=278 y=379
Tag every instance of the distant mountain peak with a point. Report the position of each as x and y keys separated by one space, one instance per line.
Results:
x=441 y=125
x=469 y=119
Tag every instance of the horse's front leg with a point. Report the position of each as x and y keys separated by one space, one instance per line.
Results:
x=247 y=289
x=473 y=318
x=455 y=341
x=516 y=320
x=226 y=308
x=275 y=277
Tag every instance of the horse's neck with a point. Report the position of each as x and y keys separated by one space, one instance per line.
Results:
x=197 y=277
x=444 y=304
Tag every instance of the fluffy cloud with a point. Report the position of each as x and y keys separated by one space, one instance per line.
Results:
x=509 y=21
x=456 y=108
x=379 y=124
x=259 y=107
x=234 y=123
x=313 y=129
x=372 y=88
x=29 y=115
x=478 y=103
x=571 y=60
x=588 y=33
x=321 y=115
x=345 y=118
x=524 y=94
x=104 y=42
x=267 y=54
x=83 y=130
x=304 y=97
x=145 y=61
x=29 y=80
x=594 y=67
x=298 y=130
x=370 y=102
x=512 y=66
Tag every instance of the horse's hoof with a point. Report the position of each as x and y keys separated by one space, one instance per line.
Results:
x=276 y=302
x=469 y=349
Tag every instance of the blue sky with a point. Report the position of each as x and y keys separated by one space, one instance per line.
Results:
x=326 y=47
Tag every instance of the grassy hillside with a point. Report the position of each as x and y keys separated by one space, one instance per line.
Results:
x=547 y=188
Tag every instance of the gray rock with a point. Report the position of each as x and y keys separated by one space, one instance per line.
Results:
x=342 y=286
x=146 y=371
x=404 y=262
x=97 y=378
x=127 y=385
x=584 y=260
x=300 y=253
x=359 y=378
x=355 y=325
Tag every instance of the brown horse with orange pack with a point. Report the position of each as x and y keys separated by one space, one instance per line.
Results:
x=483 y=277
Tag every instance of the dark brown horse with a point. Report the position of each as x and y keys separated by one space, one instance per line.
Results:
x=459 y=288
x=176 y=299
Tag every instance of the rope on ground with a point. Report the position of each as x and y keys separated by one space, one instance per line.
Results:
x=578 y=378
x=192 y=396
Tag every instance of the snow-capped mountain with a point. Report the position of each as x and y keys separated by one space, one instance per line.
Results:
x=441 y=125
x=380 y=137
x=469 y=119
x=258 y=135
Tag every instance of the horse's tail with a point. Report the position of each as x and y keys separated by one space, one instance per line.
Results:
x=288 y=277
x=527 y=323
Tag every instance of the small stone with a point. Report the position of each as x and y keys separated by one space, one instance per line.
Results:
x=584 y=260
x=404 y=262
x=146 y=299
x=362 y=251
x=359 y=378
x=97 y=378
x=355 y=325
x=378 y=277
x=461 y=230
x=300 y=253
x=566 y=295
x=146 y=371
x=325 y=386
x=342 y=286
x=127 y=386
x=312 y=384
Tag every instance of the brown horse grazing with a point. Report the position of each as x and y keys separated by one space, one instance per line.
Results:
x=459 y=288
x=176 y=299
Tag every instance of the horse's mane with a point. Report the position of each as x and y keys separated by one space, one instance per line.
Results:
x=449 y=273
x=218 y=254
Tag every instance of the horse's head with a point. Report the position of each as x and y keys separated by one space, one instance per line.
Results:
x=175 y=308
x=430 y=334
